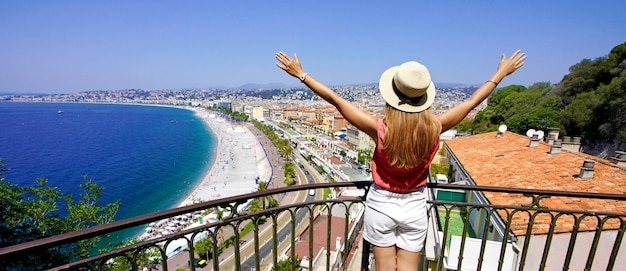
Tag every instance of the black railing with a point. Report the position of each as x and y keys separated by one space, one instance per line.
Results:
x=463 y=234
x=530 y=233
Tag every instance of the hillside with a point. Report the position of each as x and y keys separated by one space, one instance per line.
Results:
x=589 y=102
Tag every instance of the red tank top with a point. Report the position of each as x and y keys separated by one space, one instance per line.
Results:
x=396 y=179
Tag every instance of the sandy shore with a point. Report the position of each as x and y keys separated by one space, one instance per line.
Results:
x=237 y=161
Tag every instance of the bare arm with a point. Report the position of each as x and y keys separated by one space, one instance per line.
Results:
x=356 y=116
x=506 y=66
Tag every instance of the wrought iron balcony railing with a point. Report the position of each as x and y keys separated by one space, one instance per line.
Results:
x=464 y=233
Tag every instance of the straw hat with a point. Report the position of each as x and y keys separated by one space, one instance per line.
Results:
x=407 y=87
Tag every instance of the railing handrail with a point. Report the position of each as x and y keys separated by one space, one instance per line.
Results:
x=99 y=230
x=555 y=193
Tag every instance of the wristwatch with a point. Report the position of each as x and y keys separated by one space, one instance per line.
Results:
x=303 y=76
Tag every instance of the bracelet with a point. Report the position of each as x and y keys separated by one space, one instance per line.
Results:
x=494 y=82
x=302 y=77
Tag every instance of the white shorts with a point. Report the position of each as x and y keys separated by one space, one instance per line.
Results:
x=395 y=219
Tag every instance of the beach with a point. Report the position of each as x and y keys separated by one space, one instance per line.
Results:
x=238 y=160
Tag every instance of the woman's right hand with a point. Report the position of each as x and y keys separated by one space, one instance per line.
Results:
x=511 y=64
x=289 y=65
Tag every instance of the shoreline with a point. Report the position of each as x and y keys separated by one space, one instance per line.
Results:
x=235 y=161
x=238 y=159
x=219 y=128
x=232 y=156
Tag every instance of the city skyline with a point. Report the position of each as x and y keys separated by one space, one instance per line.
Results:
x=73 y=46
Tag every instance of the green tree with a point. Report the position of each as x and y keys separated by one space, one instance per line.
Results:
x=264 y=202
x=589 y=102
x=440 y=169
x=204 y=248
x=290 y=173
x=34 y=212
x=149 y=256
x=502 y=93
x=289 y=264
x=466 y=126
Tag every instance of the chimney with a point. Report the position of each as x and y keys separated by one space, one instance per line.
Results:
x=553 y=133
x=555 y=148
x=567 y=139
x=338 y=243
x=550 y=139
x=619 y=159
x=534 y=141
x=586 y=171
x=573 y=146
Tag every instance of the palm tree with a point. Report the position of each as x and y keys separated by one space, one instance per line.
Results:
x=271 y=202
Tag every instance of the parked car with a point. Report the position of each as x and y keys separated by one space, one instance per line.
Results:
x=200 y=262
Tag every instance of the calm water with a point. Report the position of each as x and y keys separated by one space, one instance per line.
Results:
x=148 y=157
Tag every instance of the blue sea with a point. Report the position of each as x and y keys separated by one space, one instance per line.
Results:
x=148 y=157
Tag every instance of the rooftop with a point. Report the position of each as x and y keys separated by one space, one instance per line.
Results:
x=508 y=161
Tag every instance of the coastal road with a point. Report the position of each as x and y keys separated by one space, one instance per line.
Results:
x=247 y=248
x=265 y=251
x=265 y=236
x=284 y=221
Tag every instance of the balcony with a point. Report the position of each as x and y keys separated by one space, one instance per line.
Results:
x=325 y=233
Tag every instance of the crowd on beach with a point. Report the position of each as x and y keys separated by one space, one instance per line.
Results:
x=240 y=162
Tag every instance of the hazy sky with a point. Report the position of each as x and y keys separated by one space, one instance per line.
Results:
x=71 y=46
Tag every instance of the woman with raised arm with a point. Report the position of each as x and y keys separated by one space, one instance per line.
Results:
x=395 y=219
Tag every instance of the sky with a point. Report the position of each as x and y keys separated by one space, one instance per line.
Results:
x=72 y=46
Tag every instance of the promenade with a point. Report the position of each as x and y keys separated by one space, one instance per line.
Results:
x=239 y=145
x=242 y=154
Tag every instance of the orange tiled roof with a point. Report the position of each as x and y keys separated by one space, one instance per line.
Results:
x=507 y=161
x=335 y=160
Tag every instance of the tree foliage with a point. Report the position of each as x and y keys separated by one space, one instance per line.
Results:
x=236 y=116
x=204 y=248
x=264 y=202
x=290 y=173
x=282 y=144
x=147 y=257
x=289 y=264
x=39 y=211
x=589 y=102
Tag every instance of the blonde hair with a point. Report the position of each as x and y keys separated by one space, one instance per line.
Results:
x=409 y=137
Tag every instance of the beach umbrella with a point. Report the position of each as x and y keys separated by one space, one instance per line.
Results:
x=152 y=224
x=148 y=229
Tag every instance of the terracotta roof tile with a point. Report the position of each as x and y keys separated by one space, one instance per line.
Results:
x=507 y=161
